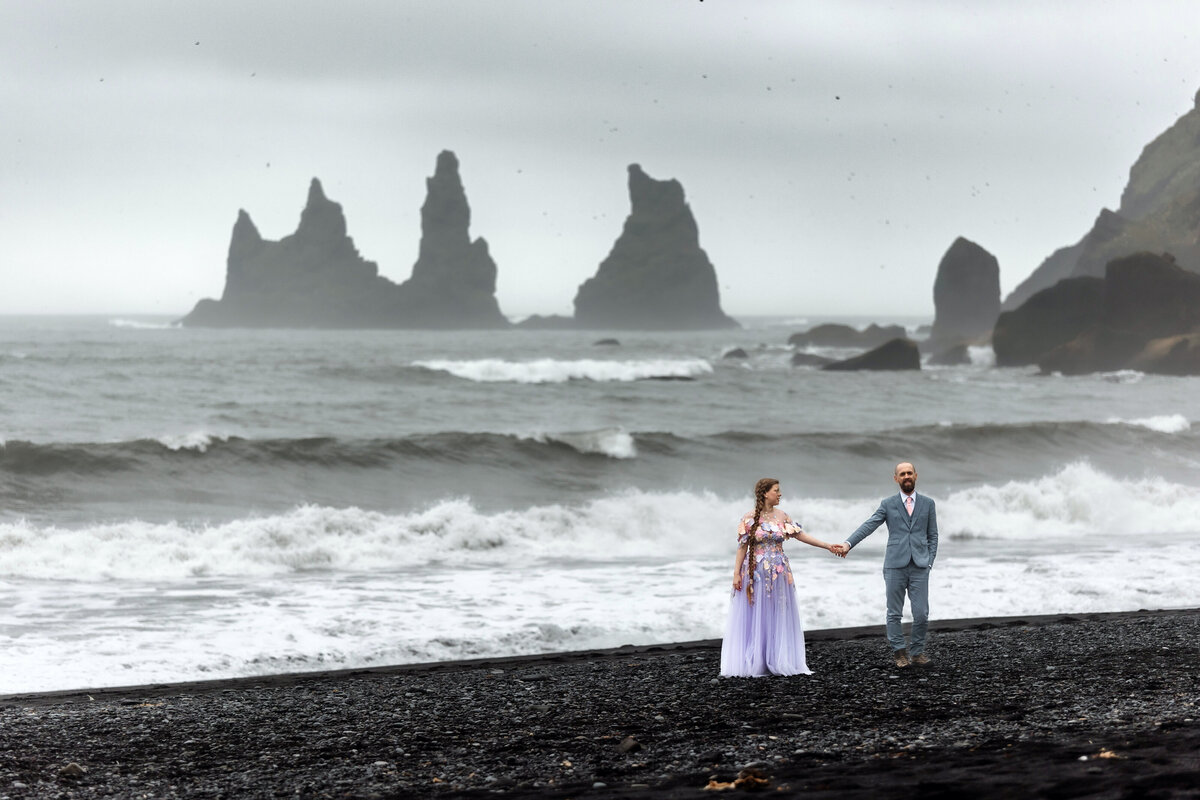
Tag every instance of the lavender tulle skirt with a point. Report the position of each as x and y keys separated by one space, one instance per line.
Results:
x=766 y=637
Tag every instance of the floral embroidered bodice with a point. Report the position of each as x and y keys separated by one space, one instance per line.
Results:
x=770 y=562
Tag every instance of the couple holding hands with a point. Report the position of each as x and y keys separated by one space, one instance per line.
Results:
x=763 y=635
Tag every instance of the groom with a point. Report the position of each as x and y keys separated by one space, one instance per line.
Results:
x=911 y=548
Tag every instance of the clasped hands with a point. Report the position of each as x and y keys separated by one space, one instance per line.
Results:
x=839 y=550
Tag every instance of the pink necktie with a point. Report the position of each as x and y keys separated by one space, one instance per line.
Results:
x=908 y=504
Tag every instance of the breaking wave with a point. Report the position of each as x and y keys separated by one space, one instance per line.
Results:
x=550 y=370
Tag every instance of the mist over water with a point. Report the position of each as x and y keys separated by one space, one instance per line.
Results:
x=180 y=504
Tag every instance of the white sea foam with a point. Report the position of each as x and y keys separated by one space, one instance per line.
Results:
x=1121 y=376
x=138 y=324
x=1163 y=423
x=71 y=633
x=196 y=440
x=322 y=538
x=982 y=355
x=611 y=442
x=1077 y=501
x=1074 y=504
x=551 y=370
x=323 y=588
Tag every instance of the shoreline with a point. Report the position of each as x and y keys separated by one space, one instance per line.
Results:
x=1098 y=705
x=91 y=694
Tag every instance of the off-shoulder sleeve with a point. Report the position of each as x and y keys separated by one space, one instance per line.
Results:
x=791 y=527
x=744 y=526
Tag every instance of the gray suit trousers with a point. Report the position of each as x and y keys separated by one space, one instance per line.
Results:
x=913 y=581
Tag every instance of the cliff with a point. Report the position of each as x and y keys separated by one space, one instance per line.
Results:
x=1144 y=314
x=1159 y=211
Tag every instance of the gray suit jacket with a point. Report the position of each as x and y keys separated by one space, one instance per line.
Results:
x=912 y=538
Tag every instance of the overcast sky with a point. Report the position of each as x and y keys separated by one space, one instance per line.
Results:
x=830 y=151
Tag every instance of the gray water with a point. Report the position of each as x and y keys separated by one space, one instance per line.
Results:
x=181 y=503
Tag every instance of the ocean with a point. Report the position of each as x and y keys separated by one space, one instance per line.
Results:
x=181 y=504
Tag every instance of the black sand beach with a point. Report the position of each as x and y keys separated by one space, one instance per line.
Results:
x=1093 y=705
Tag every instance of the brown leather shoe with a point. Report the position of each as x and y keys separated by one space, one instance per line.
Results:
x=901 y=658
x=920 y=660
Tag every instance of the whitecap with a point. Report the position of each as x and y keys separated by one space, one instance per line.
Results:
x=196 y=440
x=550 y=370
x=611 y=442
x=1162 y=423
x=139 y=324
x=981 y=355
x=1123 y=376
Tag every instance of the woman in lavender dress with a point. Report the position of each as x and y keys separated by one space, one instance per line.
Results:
x=763 y=635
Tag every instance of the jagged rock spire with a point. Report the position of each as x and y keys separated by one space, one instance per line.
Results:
x=656 y=276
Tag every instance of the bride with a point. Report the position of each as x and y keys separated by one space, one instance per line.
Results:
x=763 y=634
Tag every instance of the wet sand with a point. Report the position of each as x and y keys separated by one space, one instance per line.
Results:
x=1061 y=706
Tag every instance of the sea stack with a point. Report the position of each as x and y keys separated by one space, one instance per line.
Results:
x=308 y=279
x=315 y=278
x=966 y=296
x=656 y=277
x=453 y=283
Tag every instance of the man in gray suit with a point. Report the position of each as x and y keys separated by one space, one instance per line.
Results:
x=911 y=548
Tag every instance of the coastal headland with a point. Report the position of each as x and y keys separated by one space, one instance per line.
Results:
x=1063 y=706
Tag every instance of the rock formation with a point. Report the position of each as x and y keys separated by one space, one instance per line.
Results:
x=1159 y=210
x=966 y=296
x=1049 y=318
x=656 y=277
x=810 y=360
x=453 y=283
x=835 y=335
x=308 y=279
x=315 y=278
x=898 y=354
x=1144 y=314
x=1170 y=355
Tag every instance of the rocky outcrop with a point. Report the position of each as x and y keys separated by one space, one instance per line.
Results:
x=315 y=278
x=453 y=283
x=656 y=277
x=1049 y=318
x=312 y=278
x=1159 y=210
x=1170 y=355
x=551 y=322
x=1144 y=314
x=898 y=354
x=810 y=360
x=1097 y=349
x=1151 y=295
x=966 y=296
x=835 y=335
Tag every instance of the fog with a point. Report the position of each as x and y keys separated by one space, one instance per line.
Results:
x=830 y=151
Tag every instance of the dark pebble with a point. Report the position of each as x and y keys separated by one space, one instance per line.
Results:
x=1008 y=709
